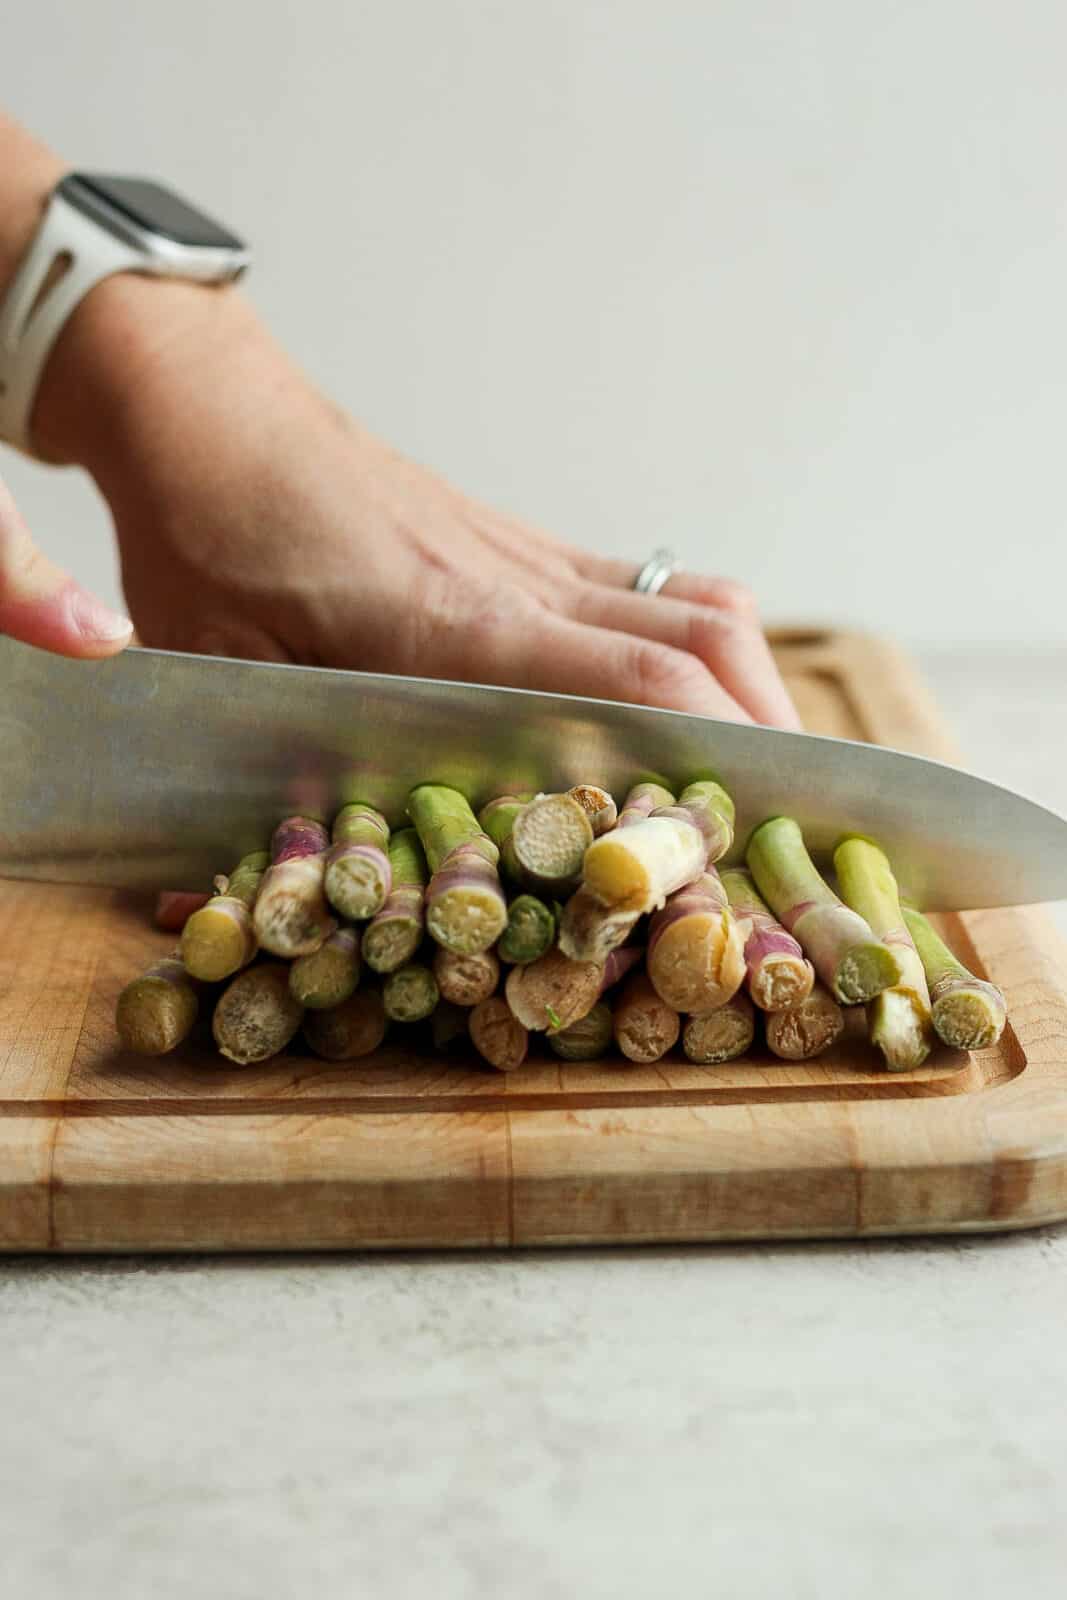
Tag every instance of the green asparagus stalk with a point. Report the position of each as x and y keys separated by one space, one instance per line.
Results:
x=969 y=1013
x=329 y=974
x=587 y=1039
x=779 y=973
x=720 y=1035
x=354 y=1028
x=807 y=1028
x=499 y=1038
x=358 y=875
x=220 y=939
x=553 y=992
x=645 y=1026
x=157 y=1010
x=497 y=819
x=853 y=963
x=898 y=1020
x=531 y=930
x=638 y=865
x=598 y=806
x=395 y=933
x=466 y=980
x=410 y=993
x=291 y=915
x=465 y=906
x=696 y=951
x=641 y=801
x=256 y=1015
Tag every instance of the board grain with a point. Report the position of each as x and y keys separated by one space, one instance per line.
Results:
x=100 y=1150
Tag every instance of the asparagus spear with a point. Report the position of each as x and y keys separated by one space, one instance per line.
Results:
x=291 y=916
x=638 y=865
x=497 y=819
x=598 y=806
x=157 y=1010
x=530 y=931
x=394 y=935
x=465 y=906
x=696 y=951
x=851 y=961
x=358 y=875
x=553 y=991
x=548 y=841
x=806 y=1029
x=969 y=1013
x=586 y=1039
x=779 y=973
x=589 y=930
x=220 y=939
x=720 y=1035
x=354 y=1028
x=256 y=1015
x=498 y=1036
x=329 y=974
x=410 y=993
x=465 y=980
x=898 y=1019
x=641 y=801
x=645 y=1026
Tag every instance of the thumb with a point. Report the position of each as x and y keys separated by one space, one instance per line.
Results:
x=43 y=606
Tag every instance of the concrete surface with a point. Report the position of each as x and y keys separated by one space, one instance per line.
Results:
x=791 y=1421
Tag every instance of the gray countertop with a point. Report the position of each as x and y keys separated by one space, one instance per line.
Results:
x=805 y=1420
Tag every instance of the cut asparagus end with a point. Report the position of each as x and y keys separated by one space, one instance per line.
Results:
x=410 y=994
x=389 y=943
x=497 y=1035
x=637 y=867
x=645 y=1027
x=585 y=1040
x=722 y=1035
x=806 y=1029
x=256 y=1016
x=357 y=881
x=466 y=980
x=781 y=981
x=291 y=916
x=864 y=971
x=697 y=961
x=330 y=974
x=549 y=840
x=899 y=1024
x=354 y=1028
x=467 y=917
x=218 y=940
x=553 y=992
x=589 y=930
x=970 y=1017
x=598 y=806
x=530 y=931
x=157 y=1010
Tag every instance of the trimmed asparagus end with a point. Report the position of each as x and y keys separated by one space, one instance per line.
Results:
x=585 y=1040
x=410 y=994
x=971 y=1017
x=637 y=867
x=899 y=1024
x=465 y=906
x=781 y=981
x=466 y=980
x=548 y=842
x=864 y=971
x=256 y=1016
x=589 y=930
x=530 y=931
x=330 y=974
x=394 y=936
x=357 y=881
x=354 y=1028
x=807 y=1029
x=218 y=940
x=553 y=992
x=721 y=1035
x=497 y=1035
x=598 y=806
x=645 y=1027
x=696 y=951
x=157 y=1010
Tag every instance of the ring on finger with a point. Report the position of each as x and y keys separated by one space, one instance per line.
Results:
x=661 y=565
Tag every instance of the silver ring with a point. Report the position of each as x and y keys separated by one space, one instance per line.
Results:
x=661 y=565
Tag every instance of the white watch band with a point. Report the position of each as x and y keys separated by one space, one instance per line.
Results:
x=79 y=253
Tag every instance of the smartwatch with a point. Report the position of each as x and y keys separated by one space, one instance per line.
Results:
x=94 y=226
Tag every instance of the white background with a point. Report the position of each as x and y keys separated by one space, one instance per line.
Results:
x=780 y=283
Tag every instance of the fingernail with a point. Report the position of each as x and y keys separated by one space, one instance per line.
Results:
x=94 y=620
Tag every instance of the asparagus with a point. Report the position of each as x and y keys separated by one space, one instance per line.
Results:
x=291 y=915
x=617 y=965
x=898 y=1019
x=969 y=1013
x=806 y=1029
x=779 y=973
x=720 y=1035
x=358 y=875
x=465 y=980
x=329 y=974
x=465 y=906
x=497 y=819
x=220 y=938
x=156 y=1011
x=586 y=1039
x=410 y=993
x=354 y=1028
x=497 y=1035
x=257 y=1015
x=696 y=951
x=394 y=935
x=531 y=930
x=641 y=801
x=645 y=1026
x=851 y=961
x=548 y=841
x=638 y=865
x=589 y=930
x=598 y=806
x=553 y=991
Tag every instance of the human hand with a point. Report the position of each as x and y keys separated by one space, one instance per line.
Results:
x=255 y=519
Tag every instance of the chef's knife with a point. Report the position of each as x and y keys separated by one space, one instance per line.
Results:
x=156 y=770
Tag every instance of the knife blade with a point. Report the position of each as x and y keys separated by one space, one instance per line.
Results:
x=155 y=770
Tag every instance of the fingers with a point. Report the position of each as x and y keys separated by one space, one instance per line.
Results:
x=43 y=606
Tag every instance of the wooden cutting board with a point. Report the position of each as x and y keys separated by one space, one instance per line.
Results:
x=104 y=1151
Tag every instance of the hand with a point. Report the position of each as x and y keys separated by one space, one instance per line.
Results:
x=256 y=519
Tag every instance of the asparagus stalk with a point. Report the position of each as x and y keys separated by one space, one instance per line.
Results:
x=589 y=930
x=466 y=980
x=358 y=874
x=553 y=991
x=329 y=974
x=969 y=1013
x=806 y=1029
x=898 y=1019
x=157 y=1010
x=641 y=801
x=497 y=1035
x=354 y=1028
x=637 y=866
x=720 y=1035
x=174 y=907
x=853 y=963
x=256 y=1015
x=497 y=819
x=779 y=973
x=598 y=806
x=696 y=950
x=617 y=965
x=394 y=935
x=291 y=916
x=410 y=993
x=220 y=939
x=548 y=841
x=586 y=1039
x=465 y=906
x=531 y=930
x=645 y=1026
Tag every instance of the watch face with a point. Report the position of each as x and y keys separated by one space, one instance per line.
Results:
x=148 y=207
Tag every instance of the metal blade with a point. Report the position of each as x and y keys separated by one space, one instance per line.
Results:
x=155 y=770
